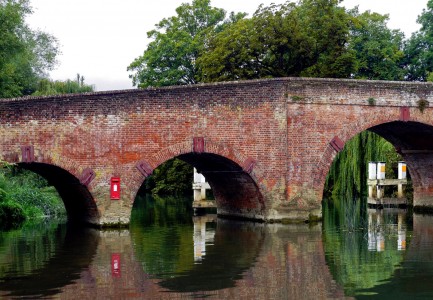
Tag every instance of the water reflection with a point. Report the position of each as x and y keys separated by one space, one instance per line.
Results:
x=386 y=222
x=203 y=234
x=31 y=257
x=196 y=256
x=364 y=254
x=167 y=253
x=413 y=277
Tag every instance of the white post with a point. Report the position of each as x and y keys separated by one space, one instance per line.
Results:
x=401 y=175
x=199 y=186
x=380 y=176
x=381 y=167
x=372 y=174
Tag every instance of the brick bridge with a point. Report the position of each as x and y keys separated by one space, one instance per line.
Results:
x=265 y=146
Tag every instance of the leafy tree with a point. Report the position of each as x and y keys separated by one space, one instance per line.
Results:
x=379 y=50
x=267 y=45
x=49 y=87
x=348 y=173
x=309 y=39
x=328 y=27
x=174 y=177
x=25 y=54
x=170 y=59
x=419 y=48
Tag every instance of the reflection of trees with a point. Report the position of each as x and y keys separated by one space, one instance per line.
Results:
x=347 y=247
x=413 y=279
x=166 y=247
x=50 y=249
x=162 y=231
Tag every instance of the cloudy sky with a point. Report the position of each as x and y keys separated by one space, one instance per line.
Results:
x=100 y=38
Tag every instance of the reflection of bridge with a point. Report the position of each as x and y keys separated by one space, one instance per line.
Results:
x=264 y=146
x=71 y=257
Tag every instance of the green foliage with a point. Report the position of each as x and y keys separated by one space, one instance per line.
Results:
x=26 y=195
x=11 y=214
x=25 y=54
x=379 y=50
x=174 y=177
x=347 y=176
x=422 y=104
x=371 y=101
x=308 y=39
x=170 y=59
x=419 y=48
x=49 y=87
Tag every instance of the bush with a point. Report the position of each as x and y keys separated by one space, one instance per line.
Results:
x=11 y=214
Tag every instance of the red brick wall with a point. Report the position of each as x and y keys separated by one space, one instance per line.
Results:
x=277 y=130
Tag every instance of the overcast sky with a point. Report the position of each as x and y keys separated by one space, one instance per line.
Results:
x=100 y=38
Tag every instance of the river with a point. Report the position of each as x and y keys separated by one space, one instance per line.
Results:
x=167 y=253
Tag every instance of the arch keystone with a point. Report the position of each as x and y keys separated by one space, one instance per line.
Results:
x=404 y=114
x=198 y=145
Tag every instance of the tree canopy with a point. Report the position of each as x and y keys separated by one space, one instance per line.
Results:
x=309 y=38
x=25 y=54
x=170 y=59
x=419 y=48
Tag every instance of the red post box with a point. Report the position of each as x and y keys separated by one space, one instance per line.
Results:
x=115 y=188
x=115 y=265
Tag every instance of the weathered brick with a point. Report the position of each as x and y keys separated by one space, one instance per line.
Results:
x=279 y=130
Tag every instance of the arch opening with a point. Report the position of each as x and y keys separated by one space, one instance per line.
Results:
x=235 y=192
x=414 y=142
x=79 y=203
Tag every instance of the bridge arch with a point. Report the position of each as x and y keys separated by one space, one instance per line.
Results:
x=64 y=176
x=412 y=139
x=234 y=177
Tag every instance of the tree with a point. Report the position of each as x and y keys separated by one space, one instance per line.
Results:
x=25 y=55
x=327 y=26
x=267 y=45
x=170 y=59
x=309 y=39
x=49 y=87
x=419 y=48
x=379 y=50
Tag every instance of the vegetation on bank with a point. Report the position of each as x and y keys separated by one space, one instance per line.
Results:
x=25 y=195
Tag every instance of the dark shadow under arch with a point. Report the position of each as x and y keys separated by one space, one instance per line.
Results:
x=79 y=203
x=414 y=141
x=407 y=136
x=235 y=191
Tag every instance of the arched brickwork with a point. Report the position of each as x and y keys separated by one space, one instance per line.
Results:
x=276 y=131
x=397 y=132
x=232 y=175
x=64 y=175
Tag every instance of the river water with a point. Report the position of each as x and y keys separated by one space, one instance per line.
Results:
x=169 y=254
